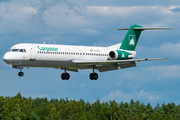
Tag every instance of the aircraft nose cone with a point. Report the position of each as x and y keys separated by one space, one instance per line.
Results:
x=6 y=58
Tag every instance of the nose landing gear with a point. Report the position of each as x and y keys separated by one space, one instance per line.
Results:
x=20 y=74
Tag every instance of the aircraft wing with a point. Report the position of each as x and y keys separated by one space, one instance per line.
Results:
x=113 y=64
x=84 y=61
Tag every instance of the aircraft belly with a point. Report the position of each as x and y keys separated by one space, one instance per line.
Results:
x=53 y=64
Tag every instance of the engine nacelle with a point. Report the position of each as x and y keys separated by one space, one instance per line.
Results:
x=118 y=55
x=113 y=55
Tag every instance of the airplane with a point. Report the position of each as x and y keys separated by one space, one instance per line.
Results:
x=72 y=58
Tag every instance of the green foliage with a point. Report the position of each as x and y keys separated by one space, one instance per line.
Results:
x=20 y=108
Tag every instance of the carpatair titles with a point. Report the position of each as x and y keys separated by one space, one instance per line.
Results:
x=47 y=48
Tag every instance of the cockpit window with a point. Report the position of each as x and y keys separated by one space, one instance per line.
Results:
x=15 y=50
x=22 y=50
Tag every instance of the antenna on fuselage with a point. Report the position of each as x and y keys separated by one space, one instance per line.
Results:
x=44 y=43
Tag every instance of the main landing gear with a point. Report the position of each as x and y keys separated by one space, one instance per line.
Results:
x=20 y=74
x=65 y=76
x=93 y=76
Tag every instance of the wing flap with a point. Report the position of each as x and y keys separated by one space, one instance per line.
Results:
x=73 y=70
x=127 y=65
x=104 y=68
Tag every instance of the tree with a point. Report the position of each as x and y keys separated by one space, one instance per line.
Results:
x=52 y=113
x=3 y=108
x=157 y=116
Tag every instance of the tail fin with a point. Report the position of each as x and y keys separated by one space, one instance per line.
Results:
x=132 y=36
x=130 y=40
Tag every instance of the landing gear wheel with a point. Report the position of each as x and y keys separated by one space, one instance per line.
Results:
x=93 y=76
x=65 y=76
x=20 y=74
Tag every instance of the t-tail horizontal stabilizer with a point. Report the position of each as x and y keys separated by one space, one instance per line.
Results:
x=146 y=28
x=132 y=36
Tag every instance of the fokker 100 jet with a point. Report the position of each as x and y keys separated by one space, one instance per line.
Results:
x=72 y=58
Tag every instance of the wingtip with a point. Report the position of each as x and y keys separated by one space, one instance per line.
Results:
x=165 y=59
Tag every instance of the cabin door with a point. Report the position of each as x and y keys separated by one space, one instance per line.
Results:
x=32 y=53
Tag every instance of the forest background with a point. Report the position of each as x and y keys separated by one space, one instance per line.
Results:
x=18 y=107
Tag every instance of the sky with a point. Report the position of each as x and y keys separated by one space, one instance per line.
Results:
x=94 y=23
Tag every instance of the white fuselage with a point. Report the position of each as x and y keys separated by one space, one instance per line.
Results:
x=56 y=56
